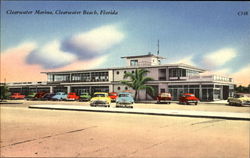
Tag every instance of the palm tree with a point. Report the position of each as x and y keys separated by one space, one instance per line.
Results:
x=138 y=80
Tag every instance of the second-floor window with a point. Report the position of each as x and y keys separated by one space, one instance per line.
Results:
x=133 y=62
x=62 y=77
x=177 y=72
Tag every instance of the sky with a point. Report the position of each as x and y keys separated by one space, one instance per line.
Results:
x=211 y=35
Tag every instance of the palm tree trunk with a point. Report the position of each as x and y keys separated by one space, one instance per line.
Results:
x=135 y=95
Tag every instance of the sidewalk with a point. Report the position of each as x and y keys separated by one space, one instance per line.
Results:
x=205 y=102
x=162 y=112
x=217 y=102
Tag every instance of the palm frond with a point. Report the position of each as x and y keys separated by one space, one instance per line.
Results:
x=128 y=83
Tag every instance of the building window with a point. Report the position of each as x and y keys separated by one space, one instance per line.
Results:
x=133 y=62
x=177 y=72
x=118 y=88
x=125 y=72
x=133 y=71
x=50 y=78
x=162 y=74
x=62 y=78
x=99 y=76
x=117 y=72
x=126 y=88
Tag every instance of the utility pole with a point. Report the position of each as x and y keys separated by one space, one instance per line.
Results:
x=158 y=46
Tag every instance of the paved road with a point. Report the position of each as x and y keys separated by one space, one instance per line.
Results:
x=49 y=133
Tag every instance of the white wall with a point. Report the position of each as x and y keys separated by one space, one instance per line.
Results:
x=163 y=86
x=119 y=77
x=110 y=75
x=153 y=73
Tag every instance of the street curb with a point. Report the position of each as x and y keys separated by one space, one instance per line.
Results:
x=176 y=113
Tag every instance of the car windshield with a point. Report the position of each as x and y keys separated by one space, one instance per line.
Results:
x=99 y=95
x=241 y=95
x=123 y=95
x=165 y=95
x=60 y=93
x=190 y=95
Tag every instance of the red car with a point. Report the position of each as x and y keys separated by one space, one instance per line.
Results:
x=164 y=97
x=72 y=96
x=39 y=95
x=187 y=98
x=113 y=96
x=17 y=96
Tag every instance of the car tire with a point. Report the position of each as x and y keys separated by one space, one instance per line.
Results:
x=196 y=103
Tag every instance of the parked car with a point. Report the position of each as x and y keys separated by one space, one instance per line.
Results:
x=187 y=98
x=124 y=100
x=100 y=99
x=164 y=97
x=17 y=96
x=39 y=96
x=48 y=96
x=239 y=99
x=113 y=96
x=30 y=96
x=84 y=97
x=60 y=96
x=72 y=96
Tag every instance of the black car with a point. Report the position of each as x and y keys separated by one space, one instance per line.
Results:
x=48 y=96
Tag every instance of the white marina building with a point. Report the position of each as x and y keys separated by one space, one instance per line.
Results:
x=174 y=78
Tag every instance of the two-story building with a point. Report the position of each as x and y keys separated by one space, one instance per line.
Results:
x=173 y=78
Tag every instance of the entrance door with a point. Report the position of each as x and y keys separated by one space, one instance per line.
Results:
x=225 y=92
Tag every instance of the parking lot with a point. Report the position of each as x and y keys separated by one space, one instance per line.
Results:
x=218 y=107
x=29 y=132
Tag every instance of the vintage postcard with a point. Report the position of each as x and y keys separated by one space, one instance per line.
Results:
x=125 y=79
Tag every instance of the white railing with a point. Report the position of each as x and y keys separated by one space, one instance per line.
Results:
x=210 y=78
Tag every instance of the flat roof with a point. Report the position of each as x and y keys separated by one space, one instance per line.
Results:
x=178 y=65
x=143 y=56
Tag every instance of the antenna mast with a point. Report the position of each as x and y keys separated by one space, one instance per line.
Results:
x=158 y=46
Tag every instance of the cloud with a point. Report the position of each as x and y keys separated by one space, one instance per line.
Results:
x=14 y=67
x=223 y=72
x=80 y=65
x=219 y=57
x=80 y=47
x=187 y=60
x=96 y=42
x=242 y=77
x=50 y=56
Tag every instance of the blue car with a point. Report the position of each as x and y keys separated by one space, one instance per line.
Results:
x=124 y=100
x=59 y=96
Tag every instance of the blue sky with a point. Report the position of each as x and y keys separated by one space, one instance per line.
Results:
x=189 y=32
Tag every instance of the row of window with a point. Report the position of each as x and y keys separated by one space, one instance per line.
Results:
x=104 y=76
x=178 y=72
x=191 y=86
x=82 y=77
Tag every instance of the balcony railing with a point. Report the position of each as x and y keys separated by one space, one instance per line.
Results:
x=210 y=78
